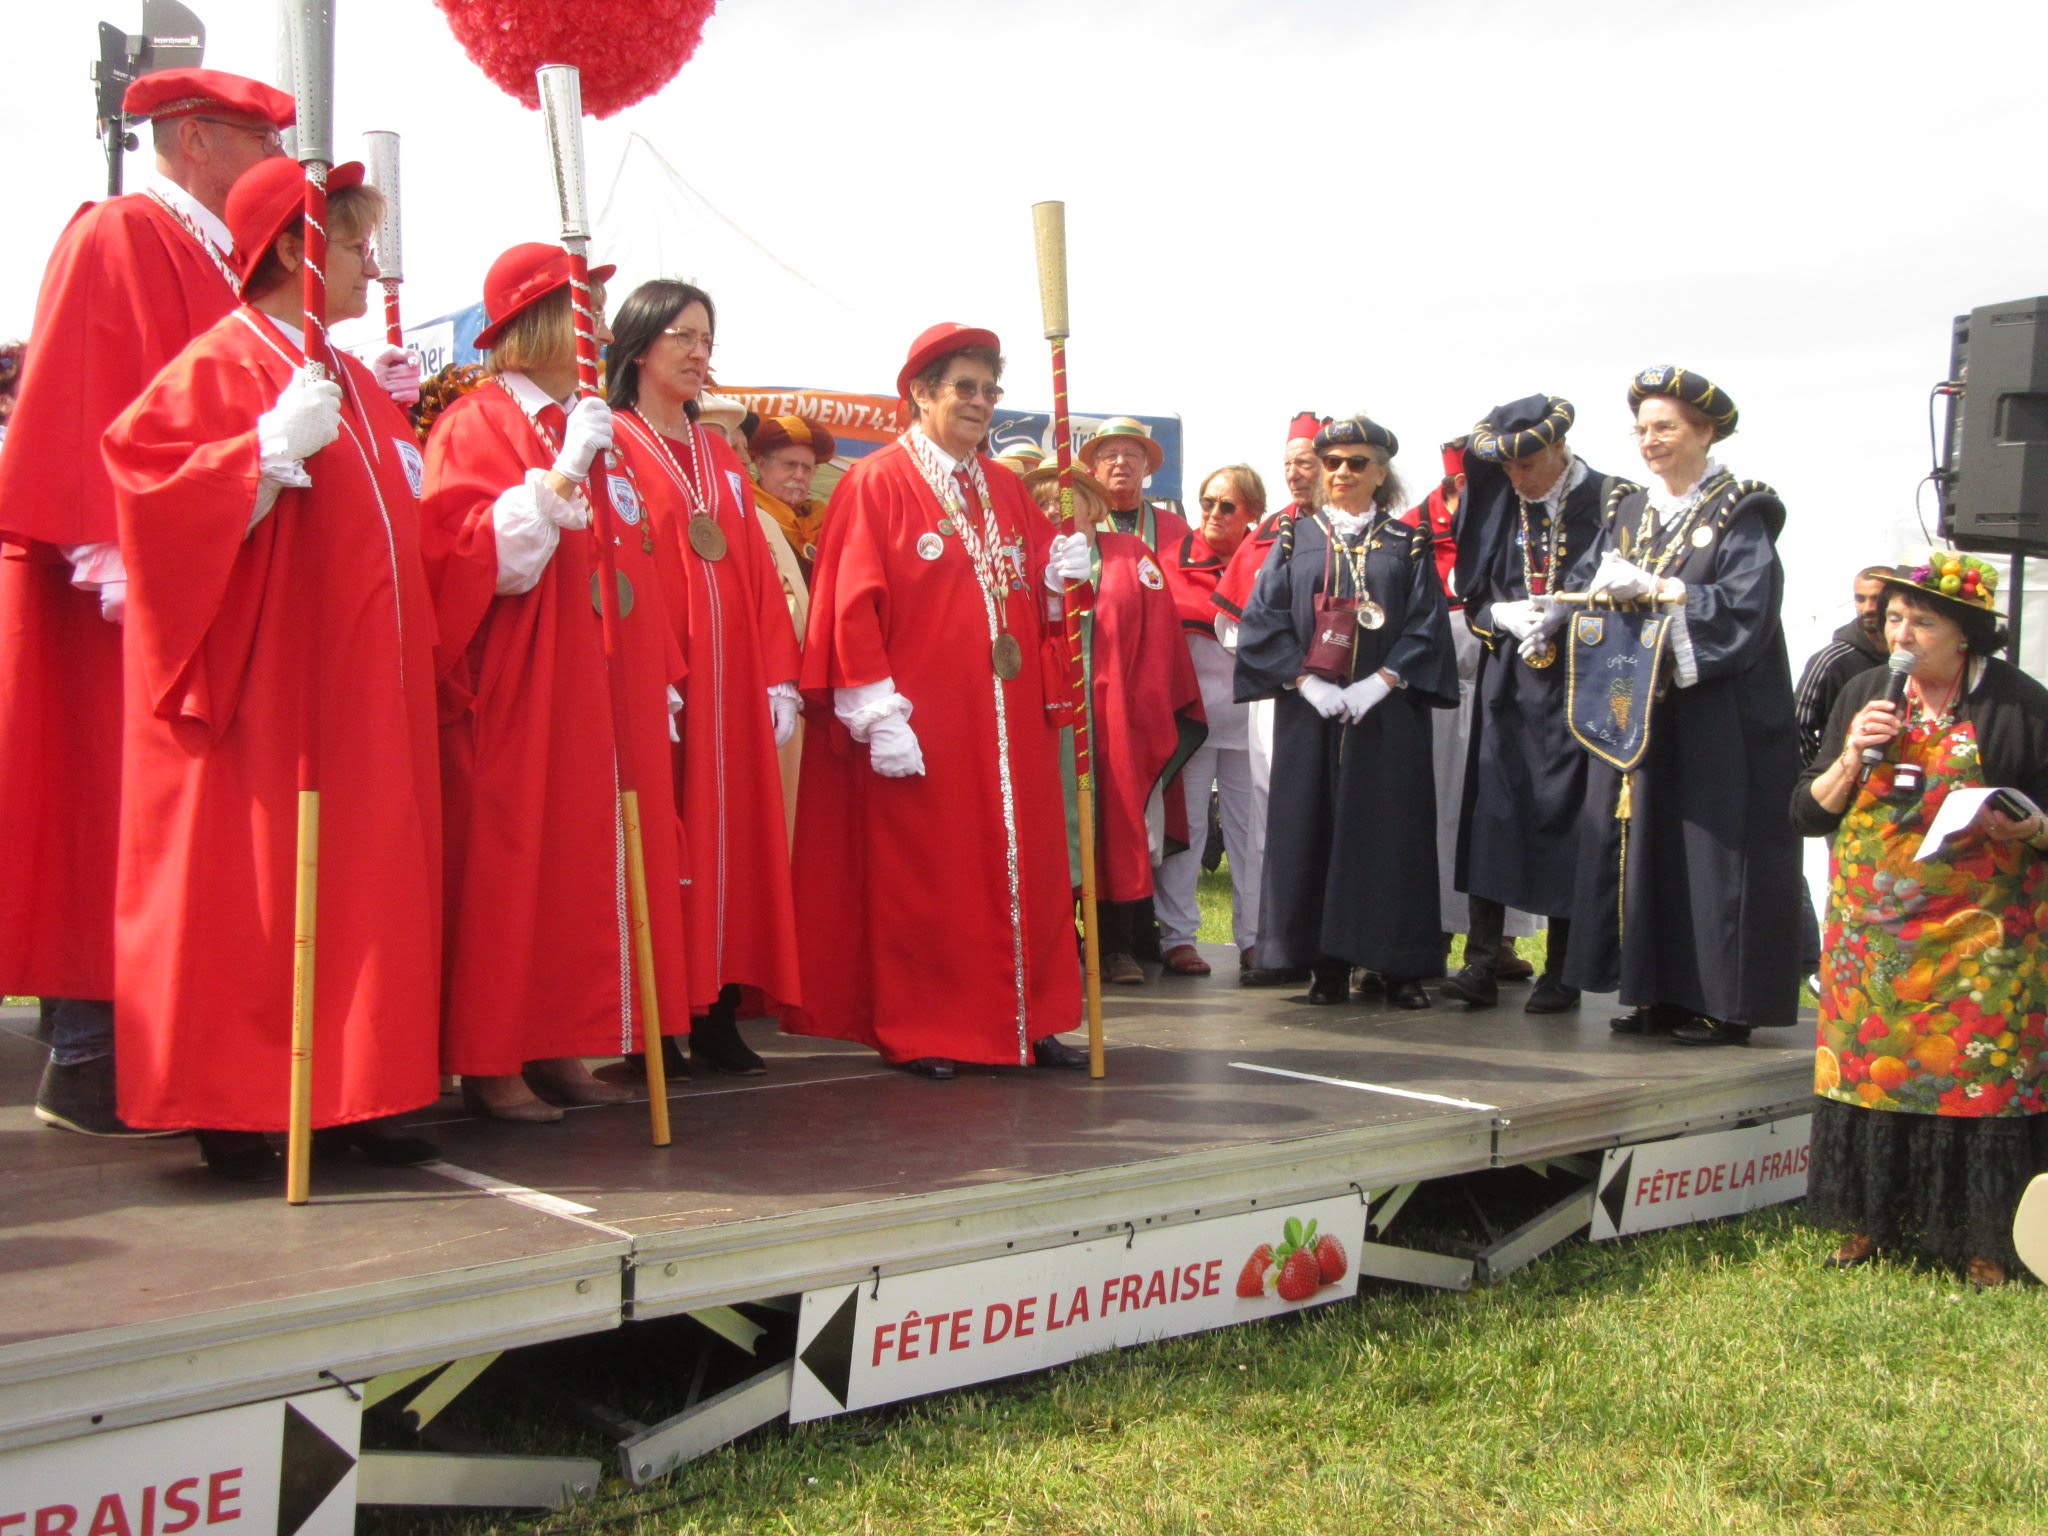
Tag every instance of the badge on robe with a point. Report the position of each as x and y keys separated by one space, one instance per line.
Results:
x=413 y=463
x=732 y=478
x=1617 y=658
x=1148 y=573
x=625 y=499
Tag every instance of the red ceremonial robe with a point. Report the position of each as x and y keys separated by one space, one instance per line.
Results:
x=733 y=626
x=1234 y=588
x=539 y=944
x=1436 y=514
x=126 y=288
x=240 y=645
x=945 y=917
x=1146 y=709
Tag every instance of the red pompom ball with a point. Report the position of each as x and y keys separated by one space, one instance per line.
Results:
x=625 y=49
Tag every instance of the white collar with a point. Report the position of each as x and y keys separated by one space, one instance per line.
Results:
x=946 y=461
x=201 y=217
x=1666 y=506
x=1569 y=479
x=531 y=397
x=1347 y=525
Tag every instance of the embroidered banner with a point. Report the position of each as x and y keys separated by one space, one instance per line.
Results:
x=1617 y=661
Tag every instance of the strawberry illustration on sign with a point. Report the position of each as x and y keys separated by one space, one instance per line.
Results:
x=1300 y=1266
x=1251 y=1280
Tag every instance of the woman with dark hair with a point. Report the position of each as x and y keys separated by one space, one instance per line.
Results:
x=1933 y=1007
x=739 y=701
x=539 y=952
x=1346 y=629
x=1702 y=939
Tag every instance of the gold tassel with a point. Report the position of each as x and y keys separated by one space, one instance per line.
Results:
x=1625 y=803
x=1624 y=812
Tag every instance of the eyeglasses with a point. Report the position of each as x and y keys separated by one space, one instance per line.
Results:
x=690 y=340
x=1114 y=452
x=967 y=389
x=360 y=247
x=1218 y=504
x=1657 y=431
x=1357 y=463
x=272 y=139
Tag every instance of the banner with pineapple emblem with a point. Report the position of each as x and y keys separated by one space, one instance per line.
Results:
x=1616 y=671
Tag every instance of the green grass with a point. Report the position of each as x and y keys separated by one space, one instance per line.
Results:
x=1213 y=895
x=1711 y=1379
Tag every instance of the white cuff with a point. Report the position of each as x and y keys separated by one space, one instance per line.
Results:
x=94 y=565
x=525 y=534
x=1685 y=668
x=675 y=707
x=863 y=708
x=791 y=692
x=1226 y=632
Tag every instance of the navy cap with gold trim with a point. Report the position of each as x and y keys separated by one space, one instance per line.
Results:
x=1357 y=432
x=1694 y=389
x=1521 y=427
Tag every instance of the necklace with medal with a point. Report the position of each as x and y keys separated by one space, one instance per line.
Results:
x=706 y=537
x=1667 y=544
x=547 y=441
x=1370 y=613
x=984 y=546
x=1535 y=577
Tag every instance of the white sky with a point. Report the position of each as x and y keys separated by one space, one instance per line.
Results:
x=1422 y=209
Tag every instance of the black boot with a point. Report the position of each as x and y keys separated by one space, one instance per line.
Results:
x=1550 y=994
x=715 y=1038
x=1477 y=985
x=1332 y=983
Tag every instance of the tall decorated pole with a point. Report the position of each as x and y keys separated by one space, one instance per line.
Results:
x=311 y=31
x=380 y=163
x=1049 y=226
x=561 y=104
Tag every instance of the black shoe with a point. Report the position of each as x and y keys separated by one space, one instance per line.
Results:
x=1365 y=983
x=380 y=1148
x=1647 y=1019
x=634 y=1066
x=1406 y=992
x=1273 y=975
x=715 y=1041
x=80 y=1098
x=1475 y=986
x=240 y=1157
x=937 y=1068
x=1331 y=985
x=1701 y=1030
x=1052 y=1051
x=1551 y=996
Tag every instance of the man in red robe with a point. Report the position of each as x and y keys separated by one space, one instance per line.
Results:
x=276 y=608
x=131 y=281
x=930 y=838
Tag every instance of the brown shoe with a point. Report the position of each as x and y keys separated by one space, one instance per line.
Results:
x=1510 y=966
x=1860 y=1249
x=1986 y=1273
x=1183 y=960
x=565 y=1080
x=1122 y=971
x=506 y=1098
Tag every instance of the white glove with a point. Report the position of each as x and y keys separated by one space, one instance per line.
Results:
x=587 y=434
x=1518 y=619
x=1360 y=697
x=1531 y=646
x=1323 y=696
x=1621 y=579
x=306 y=418
x=114 y=601
x=398 y=373
x=1068 y=560
x=893 y=751
x=782 y=717
x=1550 y=614
x=675 y=707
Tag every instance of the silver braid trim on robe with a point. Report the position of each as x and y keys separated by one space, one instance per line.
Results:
x=619 y=897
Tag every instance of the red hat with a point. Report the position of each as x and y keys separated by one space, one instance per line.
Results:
x=783 y=431
x=181 y=92
x=942 y=340
x=266 y=200
x=1307 y=424
x=520 y=279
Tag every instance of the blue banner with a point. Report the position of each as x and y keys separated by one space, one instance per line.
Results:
x=1617 y=659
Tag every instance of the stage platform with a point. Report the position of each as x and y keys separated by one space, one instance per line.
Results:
x=134 y=1287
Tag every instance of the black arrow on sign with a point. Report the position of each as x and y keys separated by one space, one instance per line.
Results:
x=310 y=1467
x=829 y=1355
x=1614 y=1198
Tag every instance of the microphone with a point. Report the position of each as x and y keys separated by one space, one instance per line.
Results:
x=1898 y=669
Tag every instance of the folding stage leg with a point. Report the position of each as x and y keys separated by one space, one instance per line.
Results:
x=445 y=1478
x=1546 y=1229
x=661 y=1448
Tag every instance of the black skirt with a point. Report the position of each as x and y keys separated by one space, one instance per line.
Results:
x=1941 y=1185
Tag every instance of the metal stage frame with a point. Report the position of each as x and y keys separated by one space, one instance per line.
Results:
x=135 y=1288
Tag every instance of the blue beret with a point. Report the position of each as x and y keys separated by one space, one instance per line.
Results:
x=1522 y=427
x=1357 y=432
x=1695 y=389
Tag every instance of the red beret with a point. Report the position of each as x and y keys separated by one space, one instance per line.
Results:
x=520 y=279
x=942 y=340
x=181 y=92
x=1307 y=424
x=783 y=431
x=267 y=199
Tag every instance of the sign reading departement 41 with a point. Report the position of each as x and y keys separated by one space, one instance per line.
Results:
x=936 y=1329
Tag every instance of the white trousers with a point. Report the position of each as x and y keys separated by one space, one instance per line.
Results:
x=1244 y=844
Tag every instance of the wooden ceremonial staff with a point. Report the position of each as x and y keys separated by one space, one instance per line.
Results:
x=561 y=104
x=313 y=77
x=1049 y=225
x=380 y=156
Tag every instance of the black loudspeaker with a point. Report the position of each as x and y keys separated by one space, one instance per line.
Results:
x=1997 y=487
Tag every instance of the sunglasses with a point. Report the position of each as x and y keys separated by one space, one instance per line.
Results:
x=1357 y=463
x=1218 y=504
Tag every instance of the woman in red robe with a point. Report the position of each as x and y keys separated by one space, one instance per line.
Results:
x=740 y=702
x=540 y=970
x=929 y=828
x=275 y=604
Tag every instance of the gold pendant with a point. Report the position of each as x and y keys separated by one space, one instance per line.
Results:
x=706 y=537
x=1542 y=656
x=1007 y=655
x=1371 y=614
x=597 y=593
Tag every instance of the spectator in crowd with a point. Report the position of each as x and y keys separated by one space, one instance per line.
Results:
x=1232 y=500
x=1346 y=629
x=1933 y=1052
x=1854 y=649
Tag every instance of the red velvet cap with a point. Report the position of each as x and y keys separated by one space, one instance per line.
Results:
x=520 y=279
x=1307 y=425
x=947 y=337
x=182 y=92
x=267 y=200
